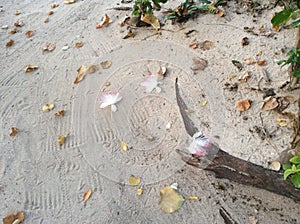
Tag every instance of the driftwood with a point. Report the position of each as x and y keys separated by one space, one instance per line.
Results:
x=223 y=165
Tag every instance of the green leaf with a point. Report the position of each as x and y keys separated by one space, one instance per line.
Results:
x=289 y=172
x=297 y=73
x=296 y=180
x=286 y=166
x=281 y=17
x=295 y=159
x=295 y=23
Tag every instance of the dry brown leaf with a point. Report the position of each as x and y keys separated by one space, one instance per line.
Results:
x=19 y=24
x=13 y=132
x=250 y=61
x=105 y=64
x=125 y=21
x=244 y=77
x=276 y=28
x=60 y=113
x=29 y=33
x=83 y=71
x=61 y=139
x=13 y=31
x=170 y=200
x=123 y=146
x=259 y=53
x=46 y=20
x=139 y=191
x=69 y=1
x=134 y=181
x=48 y=47
x=221 y=13
x=87 y=194
x=54 y=5
x=30 y=68
x=261 y=62
x=104 y=22
x=243 y=105
x=245 y=41
x=48 y=107
x=270 y=103
x=152 y=20
x=283 y=103
x=50 y=13
x=10 y=43
x=162 y=72
x=194 y=45
x=130 y=34
x=199 y=64
x=17 y=12
x=14 y=218
x=107 y=84
x=79 y=44
x=282 y=122
x=206 y=45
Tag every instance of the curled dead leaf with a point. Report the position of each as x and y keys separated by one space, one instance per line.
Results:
x=30 y=68
x=54 y=5
x=245 y=41
x=29 y=33
x=50 y=12
x=48 y=47
x=194 y=45
x=61 y=139
x=243 y=105
x=199 y=64
x=139 y=191
x=46 y=20
x=13 y=132
x=87 y=194
x=170 y=200
x=250 y=61
x=19 y=24
x=13 y=31
x=244 y=77
x=125 y=21
x=152 y=20
x=276 y=28
x=237 y=64
x=104 y=22
x=60 y=113
x=79 y=44
x=261 y=62
x=14 y=218
x=134 y=181
x=82 y=71
x=10 y=43
x=124 y=146
x=107 y=84
x=221 y=13
x=48 y=107
x=206 y=45
x=130 y=34
x=162 y=72
x=106 y=64
x=270 y=103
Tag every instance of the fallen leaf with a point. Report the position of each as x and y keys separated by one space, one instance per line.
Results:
x=134 y=181
x=283 y=103
x=50 y=13
x=79 y=44
x=54 y=5
x=10 y=43
x=87 y=194
x=29 y=33
x=125 y=21
x=13 y=31
x=107 y=84
x=237 y=64
x=14 y=218
x=105 y=64
x=162 y=72
x=243 y=105
x=192 y=197
x=13 y=132
x=139 y=191
x=48 y=107
x=130 y=34
x=259 y=53
x=60 y=113
x=206 y=45
x=244 y=77
x=19 y=24
x=270 y=103
x=48 y=47
x=275 y=165
x=276 y=28
x=261 y=62
x=104 y=22
x=46 y=20
x=170 y=200
x=152 y=20
x=199 y=64
x=250 y=61
x=17 y=12
x=61 y=139
x=231 y=77
x=30 y=68
x=221 y=13
x=123 y=146
x=245 y=41
x=194 y=45
x=69 y=1
x=82 y=71
x=204 y=103
x=282 y=122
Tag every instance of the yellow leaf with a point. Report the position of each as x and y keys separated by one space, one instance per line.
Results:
x=14 y=218
x=139 y=191
x=170 y=200
x=14 y=131
x=87 y=194
x=17 y=12
x=192 y=197
x=204 y=103
x=124 y=146
x=61 y=139
x=47 y=107
x=30 y=68
x=152 y=20
x=282 y=122
x=134 y=181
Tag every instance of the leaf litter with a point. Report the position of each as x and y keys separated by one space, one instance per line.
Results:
x=170 y=200
x=83 y=70
x=134 y=181
x=14 y=218
x=30 y=68
x=48 y=107
x=13 y=132
x=104 y=22
x=87 y=194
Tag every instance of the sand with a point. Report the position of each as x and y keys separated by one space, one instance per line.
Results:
x=47 y=181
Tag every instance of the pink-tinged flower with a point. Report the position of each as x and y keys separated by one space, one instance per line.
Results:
x=110 y=99
x=151 y=83
x=200 y=145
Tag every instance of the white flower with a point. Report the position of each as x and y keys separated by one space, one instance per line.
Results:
x=110 y=99
x=200 y=145
x=150 y=83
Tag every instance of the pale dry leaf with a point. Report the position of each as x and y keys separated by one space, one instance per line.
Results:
x=30 y=68
x=283 y=103
x=61 y=139
x=244 y=77
x=199 y=64
x=204 y=103
x=243 y=105
x=276 y=28
x=106 y=64
x=54 y=5
x=125 y=21
x=169 y=125
x=10 y=43
x=170 y=200
x=152 y=20
x=270 y=103
x=194 y=45
x=104 y=22
x=261 y=62
x=107 y=84
x=69 y=1
x=124 y=146
x=162 y=72
x=14 y=218
x=48 y=107
x=250 y=61
x=60 y=113
x=79 y=44
x=130 y=34
x=29 y=33
x=66 y=47
x=83 y=70
x=13 y=132
x=206 y=45
x=13 y=31
x=192 y=197
x=282 y=122
x=139 y=191
x=87 y=194
x=48 y=47
x=134 y=181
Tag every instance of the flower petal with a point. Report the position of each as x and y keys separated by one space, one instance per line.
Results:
x=150 y=82
x=109 y=98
